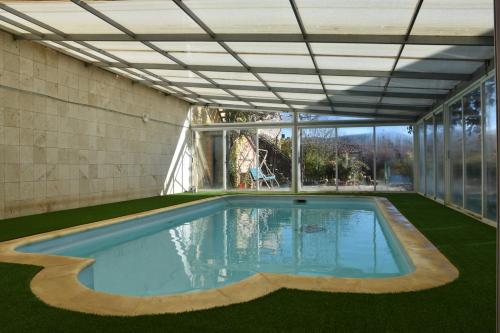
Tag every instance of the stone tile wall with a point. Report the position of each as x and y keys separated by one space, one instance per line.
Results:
x=72 y=135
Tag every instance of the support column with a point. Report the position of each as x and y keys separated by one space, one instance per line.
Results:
x=295 y=154
x=496 y=4
x=224 y=158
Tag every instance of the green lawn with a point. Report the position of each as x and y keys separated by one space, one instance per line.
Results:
x=466 y=305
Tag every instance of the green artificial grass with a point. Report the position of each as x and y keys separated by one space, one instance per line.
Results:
x=466 y=305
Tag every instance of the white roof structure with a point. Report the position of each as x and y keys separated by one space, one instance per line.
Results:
x=375 y=58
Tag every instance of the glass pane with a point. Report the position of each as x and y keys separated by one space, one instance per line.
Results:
x=241 y=157
x=456 y=169
x=478 y=15
x=448 y=52
x=318 y=161
x=472 y=149
x=429 y=157
x=256 y=16
x=350 y=49
x=275 y=159
x=356 y=63
x=421 y=158
x=437 y=66
x=394 y=158
x=208 y=164
x=490 y=149
x=355 y=153
x=439 y=131
x=356 y=17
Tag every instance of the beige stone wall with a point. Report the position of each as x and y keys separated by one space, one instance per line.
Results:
x=72 y=135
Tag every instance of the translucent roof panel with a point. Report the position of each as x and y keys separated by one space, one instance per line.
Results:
x=221 y=101
x=357 y=63
x=69 y=51
x=355 y=80
x=407 y=101
x=417 y=90
x=355 y=88
x=454 y=18
x=254 y=93
x=294 y=85
x=304 y=97
x=422 y=83
x=17 y=19
x=243 y=76
x=191 y=47
x=437 y=66
x=269 y=48
x=268 y=77
x=11 y=28
x=178 y=75
x=242 y=16
x=124 y=73
x=352 y=49
x=216 y=59
x=148 y=16
x=272 y=105
x=355 y=99
x=356 y=17
x=88 y=50
x=355 y=110
x=209 y=91
x=64 y=16
x=255 y=83
x=312 y=108
x=287 y=61
x=134 y=52
x=448 y=52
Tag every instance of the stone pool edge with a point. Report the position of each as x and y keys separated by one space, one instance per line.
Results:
x=57 y=283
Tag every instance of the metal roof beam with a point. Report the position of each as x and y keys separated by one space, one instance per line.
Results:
x=307 y=71
x=486 y=40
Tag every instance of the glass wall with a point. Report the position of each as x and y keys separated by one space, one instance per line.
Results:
x=241 y=158
x=429 y=156
x=459 y=157
x=355 y=159
x=209 y=160
x=439 y=154
x=455 y=151
x=490 y=149
x=472 y=150
x=421 y=159
x=318 y=158
x=275 y=159
x=394 y=162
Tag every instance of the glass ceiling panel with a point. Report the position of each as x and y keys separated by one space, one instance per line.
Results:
x=437 y=66
x=356 y=17
x=312 y=108
x=240 y=82
x=407 y=101
x=150 y=16
x=357 y=63
x=150 y=57
x=269 y=48
x=178 y=75
x=191 y=47
x=8 y=26
x=355 y=110
x=22 y=21
x=455 y=18
x=417 y=91
x=272 y=105
x=209 y=91
x=215 y=59
x=355 y=80
x=142 y=74
x=243 y=16
x=287 y=61
x=124 y=73
x=325 y=117
x=355 y=99
x=268 y=77
x=69 y=51
x=294 y=85
x=352 y=49
x=304 y=97
x=220 y=101
x=64 y=16
x=253 y=93
x=230 y=75
x=86 y=49
x=448 y=52
x=355 y=88
x=165 y=89
x=422 y=83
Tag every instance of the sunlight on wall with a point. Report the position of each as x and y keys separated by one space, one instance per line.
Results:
x=178 y=178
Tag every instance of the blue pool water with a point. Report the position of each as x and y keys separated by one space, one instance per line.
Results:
x=216 y=243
